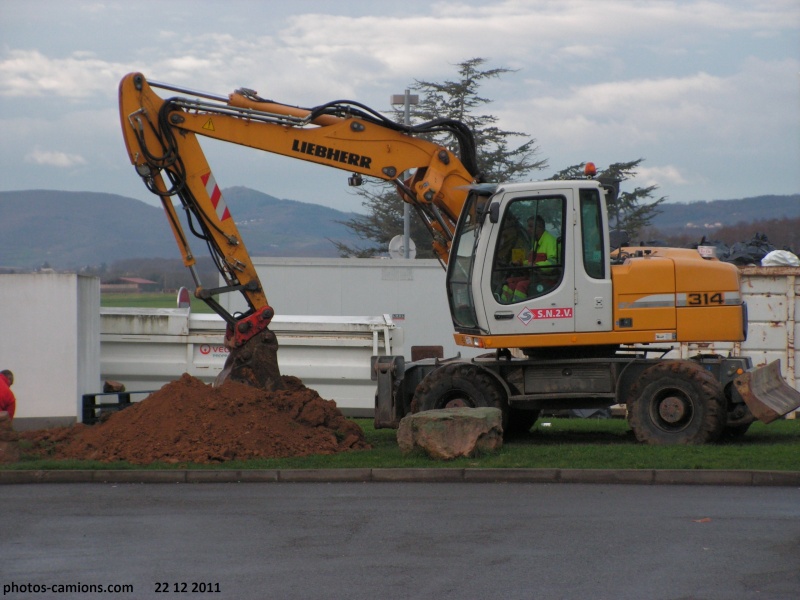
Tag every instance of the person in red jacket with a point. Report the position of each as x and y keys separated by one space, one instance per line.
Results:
x=8 y=402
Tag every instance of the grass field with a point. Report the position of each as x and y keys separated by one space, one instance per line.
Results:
x=553 y=443
x=149 y=301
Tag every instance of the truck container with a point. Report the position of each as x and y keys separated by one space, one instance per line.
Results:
x=146 y=348
x=772 y=295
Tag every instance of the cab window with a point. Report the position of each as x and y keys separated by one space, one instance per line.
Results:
x=592 y=234
x=529 y=260
x=462 y=260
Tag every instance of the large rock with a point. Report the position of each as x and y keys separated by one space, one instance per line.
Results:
x=452 y=432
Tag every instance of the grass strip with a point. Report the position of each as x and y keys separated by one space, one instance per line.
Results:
x=150 y=300
x=553 y=443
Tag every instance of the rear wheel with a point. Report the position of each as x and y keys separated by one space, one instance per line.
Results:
x=676 y=402
x=459 y=384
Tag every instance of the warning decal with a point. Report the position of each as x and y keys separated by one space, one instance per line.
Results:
x=209 y=125
x=215 y=195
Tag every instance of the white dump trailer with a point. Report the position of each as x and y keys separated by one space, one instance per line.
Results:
x=772 y=295
x=147 y=348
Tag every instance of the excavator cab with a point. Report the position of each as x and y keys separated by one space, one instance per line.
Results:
x=532 y=259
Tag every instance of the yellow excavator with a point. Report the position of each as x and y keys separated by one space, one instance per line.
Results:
x=568 y=316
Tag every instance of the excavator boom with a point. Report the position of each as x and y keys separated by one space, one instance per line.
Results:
x=162 y=139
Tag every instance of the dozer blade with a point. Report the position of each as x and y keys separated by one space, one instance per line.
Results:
x=766 y=393
x=254 y=363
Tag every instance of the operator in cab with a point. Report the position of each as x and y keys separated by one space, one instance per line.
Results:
x=539 y=262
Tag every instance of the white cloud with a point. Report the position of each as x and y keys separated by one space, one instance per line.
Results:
x=681 y=84
x=699 y=115
x=29 y=73
x=94 y=7
x=54 y=159
x=546 y=33
x=350 y=52
x=660 y=176
x=632 y=111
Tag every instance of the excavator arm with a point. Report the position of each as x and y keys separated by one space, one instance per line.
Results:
x=161 y=136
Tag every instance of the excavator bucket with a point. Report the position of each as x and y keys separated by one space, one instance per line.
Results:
x=766 y=393
x=255 y=363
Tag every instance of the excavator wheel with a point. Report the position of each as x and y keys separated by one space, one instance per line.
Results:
x=459 y=384
x=676 y=402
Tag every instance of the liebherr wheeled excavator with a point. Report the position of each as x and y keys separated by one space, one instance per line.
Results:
x=574 y=325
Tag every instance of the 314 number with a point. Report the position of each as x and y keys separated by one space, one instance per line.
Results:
x=700 y=299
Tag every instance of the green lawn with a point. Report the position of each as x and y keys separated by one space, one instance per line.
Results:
x=150 y=301
x=565 y=444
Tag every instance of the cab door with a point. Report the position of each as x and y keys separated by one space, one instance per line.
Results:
x=593 y=288
x=528 y=276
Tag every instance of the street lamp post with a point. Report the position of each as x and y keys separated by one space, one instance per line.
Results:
x=406 y=99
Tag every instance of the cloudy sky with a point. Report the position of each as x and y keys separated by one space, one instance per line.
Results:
x=707 y=92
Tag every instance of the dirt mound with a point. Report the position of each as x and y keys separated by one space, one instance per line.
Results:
x=190 y=421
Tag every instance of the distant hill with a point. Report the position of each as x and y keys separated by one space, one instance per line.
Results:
x=705 y=215
x=70 y=230
x=273 y=227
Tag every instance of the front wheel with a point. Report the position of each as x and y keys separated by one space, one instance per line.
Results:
x=676 y=402
x=459 y=384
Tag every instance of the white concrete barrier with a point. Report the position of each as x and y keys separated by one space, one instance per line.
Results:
x=50 y=339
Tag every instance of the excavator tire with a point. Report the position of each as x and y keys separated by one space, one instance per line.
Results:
x=459 y=384
x=676 y=402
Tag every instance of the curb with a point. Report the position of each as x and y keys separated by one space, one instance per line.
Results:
x=389 y=475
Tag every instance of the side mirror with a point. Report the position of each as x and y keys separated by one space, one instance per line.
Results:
x=494 y=212
x=611 y=186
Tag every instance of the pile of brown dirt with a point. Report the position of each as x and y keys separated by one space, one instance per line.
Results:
x=190 y=421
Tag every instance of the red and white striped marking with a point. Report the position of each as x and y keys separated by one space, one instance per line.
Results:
x=215 y=195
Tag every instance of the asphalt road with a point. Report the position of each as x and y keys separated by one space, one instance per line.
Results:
x=400 y=540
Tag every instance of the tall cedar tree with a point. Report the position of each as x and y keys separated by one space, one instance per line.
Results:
x=498 y=160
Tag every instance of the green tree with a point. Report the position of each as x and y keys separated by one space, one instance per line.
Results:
x=497 y=158
x=460 y=100
x=631 y=211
